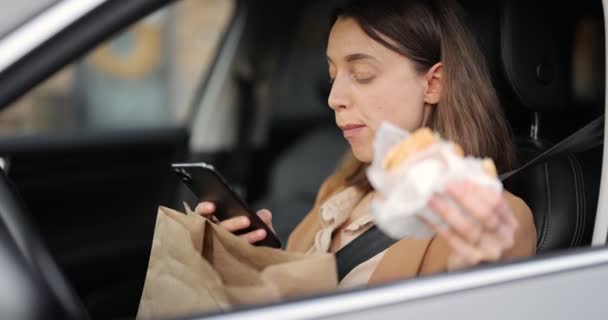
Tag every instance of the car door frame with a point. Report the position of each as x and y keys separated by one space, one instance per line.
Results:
x=73 y=31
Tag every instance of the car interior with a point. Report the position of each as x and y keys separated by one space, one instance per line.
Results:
x=78 y=209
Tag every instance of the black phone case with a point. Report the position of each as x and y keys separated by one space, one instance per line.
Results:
x=208 y=184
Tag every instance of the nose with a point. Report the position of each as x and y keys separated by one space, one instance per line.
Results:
x=338 y=96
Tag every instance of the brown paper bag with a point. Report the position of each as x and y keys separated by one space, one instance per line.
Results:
x=196 y=266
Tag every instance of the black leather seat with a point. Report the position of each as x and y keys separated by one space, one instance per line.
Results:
x=32 y=284
x=537 y=42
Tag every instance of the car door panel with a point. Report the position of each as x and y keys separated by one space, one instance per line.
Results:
x=94 y=197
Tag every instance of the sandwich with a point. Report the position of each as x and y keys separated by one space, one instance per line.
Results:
x=420 y=140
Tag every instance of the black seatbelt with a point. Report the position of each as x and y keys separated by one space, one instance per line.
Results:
x=588 y=137
x=362 y=248
x=373 y=241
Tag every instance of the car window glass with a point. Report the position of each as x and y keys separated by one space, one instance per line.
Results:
x=144 y=76
x=15 y=13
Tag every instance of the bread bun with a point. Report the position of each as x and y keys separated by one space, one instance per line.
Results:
x=421 y=139
x=416 y=142
x=489 y=167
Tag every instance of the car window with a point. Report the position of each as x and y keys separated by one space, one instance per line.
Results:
x=15 y=13
x=144 y=76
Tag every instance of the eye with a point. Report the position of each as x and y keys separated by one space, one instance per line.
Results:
x=363 y=78
x=332 y=74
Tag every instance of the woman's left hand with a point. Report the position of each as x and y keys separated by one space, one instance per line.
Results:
x=480 y=225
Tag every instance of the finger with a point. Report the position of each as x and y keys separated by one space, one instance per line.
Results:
x=455 y=262
x=507 y=215
x=427 y=223
x=266 y=217
x=455 y=219
x=465 y=252
x=506 y=236
x=508 y=227
x=481 y=203
x=254 y=236
x=205 y=209
x=235 y=224
x=431 y=225
x=491 y=247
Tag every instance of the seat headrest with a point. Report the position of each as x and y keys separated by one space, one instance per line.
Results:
x=553 y=53
x=534 y=53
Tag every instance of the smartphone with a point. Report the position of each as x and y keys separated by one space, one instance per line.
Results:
x=209 y=185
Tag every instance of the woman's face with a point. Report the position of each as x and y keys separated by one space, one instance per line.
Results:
x=373 y=84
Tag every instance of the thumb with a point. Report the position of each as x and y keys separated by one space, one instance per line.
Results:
x=266 y=216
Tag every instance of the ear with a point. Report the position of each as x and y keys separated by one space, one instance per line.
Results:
x=433 y=84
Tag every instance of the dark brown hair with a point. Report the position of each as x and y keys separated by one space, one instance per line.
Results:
x=428 y=32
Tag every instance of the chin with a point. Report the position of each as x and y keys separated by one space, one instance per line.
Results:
x=364 y=155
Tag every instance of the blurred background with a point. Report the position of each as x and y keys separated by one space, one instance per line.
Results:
x=146 y=76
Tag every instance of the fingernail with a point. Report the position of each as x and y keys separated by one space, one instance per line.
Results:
x=244 y=220
x=261 y=233
x=209 y=206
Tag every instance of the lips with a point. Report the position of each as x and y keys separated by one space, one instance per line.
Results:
x=351 y=130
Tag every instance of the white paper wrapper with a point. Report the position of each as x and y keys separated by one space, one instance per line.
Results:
x=403 y=194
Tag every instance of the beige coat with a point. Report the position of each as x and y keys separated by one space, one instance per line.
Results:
x=409 y=258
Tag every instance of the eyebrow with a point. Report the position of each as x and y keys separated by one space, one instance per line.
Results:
x=355 y=57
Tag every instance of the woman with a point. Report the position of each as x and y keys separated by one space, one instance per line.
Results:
x=412 y=63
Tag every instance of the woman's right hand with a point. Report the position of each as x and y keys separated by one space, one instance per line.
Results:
x=206 y=209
